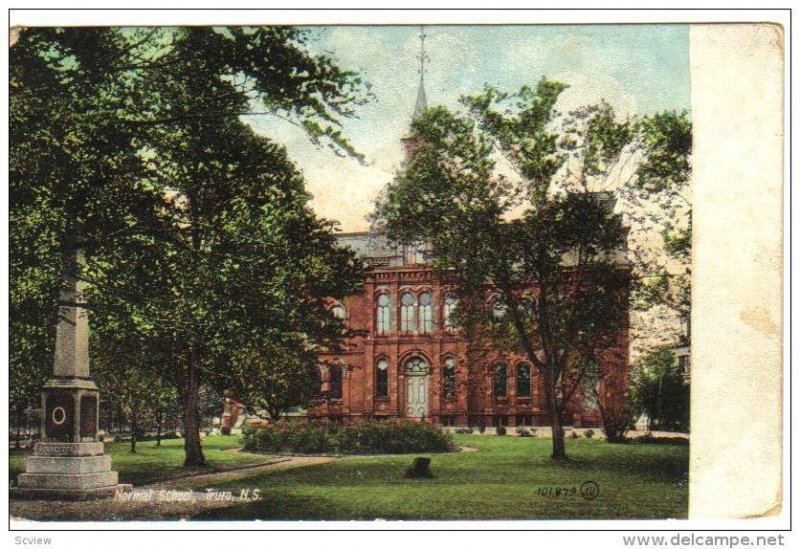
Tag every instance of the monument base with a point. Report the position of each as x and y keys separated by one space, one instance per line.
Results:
x=69 y=471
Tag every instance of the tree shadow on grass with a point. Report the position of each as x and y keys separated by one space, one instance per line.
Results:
x=654 y=467
x=277 y=505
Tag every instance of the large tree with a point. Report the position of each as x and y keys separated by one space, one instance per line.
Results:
x=656 y=201
x=73 y=171
x=660 y=389
x=197 y=232
x=507 y=194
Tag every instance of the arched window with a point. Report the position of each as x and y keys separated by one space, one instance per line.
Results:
x=450 y=303
x=500 y=381
x=416 y=365
x=408 y=313
x=449 y=377
x=384 y=320
x=498 y=308
x=425 y=313
x=382 y=378
x=336 y=382
x=339 y=311
x=523 y=379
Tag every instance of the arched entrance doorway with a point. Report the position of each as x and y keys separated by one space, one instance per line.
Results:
x=416 y=371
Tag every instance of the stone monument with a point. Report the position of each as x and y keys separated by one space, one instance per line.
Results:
x=69 y=461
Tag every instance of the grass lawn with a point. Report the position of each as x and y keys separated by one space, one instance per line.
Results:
x=502 y=480
x=151 y=463
x=506 y=478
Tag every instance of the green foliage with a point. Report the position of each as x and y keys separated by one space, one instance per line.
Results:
x=660 y=194
x=605 y=139
x=668 y=138
x=385 y=437
x=550 y=257
x=202 y=250
x=660 y=389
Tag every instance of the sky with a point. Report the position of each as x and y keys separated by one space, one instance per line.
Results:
x=638 y=69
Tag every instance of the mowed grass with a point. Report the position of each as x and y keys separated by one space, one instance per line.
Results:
x=502 y=480
x=151 y=463
x=506 y=478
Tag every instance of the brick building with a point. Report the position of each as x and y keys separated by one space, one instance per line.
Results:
x=413 y=362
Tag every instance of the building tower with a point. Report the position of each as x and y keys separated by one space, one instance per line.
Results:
x=409 y=142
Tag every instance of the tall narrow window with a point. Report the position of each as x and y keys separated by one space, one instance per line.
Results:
x=382 y=378
x=408 y=313
x=336 y=382
x=523 y=379
x=450 y=302
x=449 y=377
x=425 y=313
x=500 y=381
x=591 y=385
x=384 y=314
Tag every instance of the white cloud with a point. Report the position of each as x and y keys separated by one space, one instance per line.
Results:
x=588 y=89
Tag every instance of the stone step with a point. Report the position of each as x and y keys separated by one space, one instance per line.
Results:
x=84 y=481
x=67 y=465
x=68 y=449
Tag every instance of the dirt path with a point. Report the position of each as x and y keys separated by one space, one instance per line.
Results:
x=289 y=462
x=172 y=499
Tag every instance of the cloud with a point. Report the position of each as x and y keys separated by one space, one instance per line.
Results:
x=631 y=68
x=588 y=89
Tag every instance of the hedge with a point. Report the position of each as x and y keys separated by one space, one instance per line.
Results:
x=385 y=437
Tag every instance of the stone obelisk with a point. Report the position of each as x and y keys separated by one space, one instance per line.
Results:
x=69 y=461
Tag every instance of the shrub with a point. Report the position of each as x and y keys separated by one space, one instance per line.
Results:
x=589 y=433
x=523 y=432
x=650 y=439
x=500 y=430
x=482 y=428
x=225 y=430
x=573 y=434
x=464 y=430
x=385 y=437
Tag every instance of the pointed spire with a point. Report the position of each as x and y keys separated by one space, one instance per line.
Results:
x=422 y=101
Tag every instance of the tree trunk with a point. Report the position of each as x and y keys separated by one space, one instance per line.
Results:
x=133 y=433
x=559 y=451
x=191 y=416
x=556 y=421
x=159 y=421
